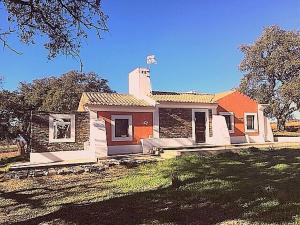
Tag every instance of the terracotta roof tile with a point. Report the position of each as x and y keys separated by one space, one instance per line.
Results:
x=112 y=99
x=182 y=97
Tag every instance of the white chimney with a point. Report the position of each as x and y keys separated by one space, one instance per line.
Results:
x=139 y=83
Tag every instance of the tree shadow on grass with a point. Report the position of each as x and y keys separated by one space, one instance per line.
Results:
x=255 y=186
x=5 y=161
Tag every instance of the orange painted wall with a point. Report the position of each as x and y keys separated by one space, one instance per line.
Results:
x=238 y=104
x=139 y=129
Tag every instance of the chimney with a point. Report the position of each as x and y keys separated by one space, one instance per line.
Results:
x=139 y=83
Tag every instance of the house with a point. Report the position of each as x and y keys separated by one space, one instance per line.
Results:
x=113 y=123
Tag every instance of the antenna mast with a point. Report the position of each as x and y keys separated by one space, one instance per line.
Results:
x=150 y=60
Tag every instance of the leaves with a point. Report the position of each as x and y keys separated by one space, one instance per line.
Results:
x=57 y=94
x=61 y=93
x=270 y=66
x=63 y=22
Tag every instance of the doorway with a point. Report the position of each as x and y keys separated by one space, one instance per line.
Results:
x=200 y=127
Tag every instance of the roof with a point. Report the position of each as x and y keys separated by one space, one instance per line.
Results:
x=115 y=99
x=110 y=99
x=182 y=97
x=220 y=95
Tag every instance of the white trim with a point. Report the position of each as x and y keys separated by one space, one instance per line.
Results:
x=206 y=124
x=156 y=123
x=51 y=128
x=129 y=118
x=231 y=114
x=255 y=122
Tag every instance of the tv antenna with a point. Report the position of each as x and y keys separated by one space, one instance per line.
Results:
x=151 y=60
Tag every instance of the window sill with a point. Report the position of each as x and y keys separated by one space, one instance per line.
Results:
x=251 y=131
x=69 y=140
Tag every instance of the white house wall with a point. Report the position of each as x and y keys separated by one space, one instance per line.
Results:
x=220 y=131
x=59 y=156
x=98 y=142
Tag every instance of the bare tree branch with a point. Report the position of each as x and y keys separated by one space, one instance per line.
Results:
x=6 y=45
x=64 y=22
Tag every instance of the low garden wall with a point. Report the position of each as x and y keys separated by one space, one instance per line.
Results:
x=40 y=133
x=287 y=139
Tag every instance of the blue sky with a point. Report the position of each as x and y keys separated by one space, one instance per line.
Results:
x=196 y=43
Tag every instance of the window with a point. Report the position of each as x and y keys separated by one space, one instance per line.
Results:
x=61 y=128
x=229 y=118
x=250 y=122
x=121 y=127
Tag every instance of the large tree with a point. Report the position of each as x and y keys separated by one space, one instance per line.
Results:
x=61 y=93
x=57 y=94
x=64 y=23
x=271 y=67
x=13 y=114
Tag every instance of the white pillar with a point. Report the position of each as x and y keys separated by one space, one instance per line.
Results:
x=156 y=123
x=98 y=142
x=261 y=122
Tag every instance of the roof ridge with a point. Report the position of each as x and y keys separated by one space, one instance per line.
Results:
x=176 y=92
x=98 y=92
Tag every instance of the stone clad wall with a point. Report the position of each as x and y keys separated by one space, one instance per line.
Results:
x=175 y=123
x=40 y=133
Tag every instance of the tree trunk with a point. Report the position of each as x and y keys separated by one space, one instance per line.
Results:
x=281 y=124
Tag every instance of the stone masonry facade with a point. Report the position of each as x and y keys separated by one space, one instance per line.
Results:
x=175 y=123
x=40 y=133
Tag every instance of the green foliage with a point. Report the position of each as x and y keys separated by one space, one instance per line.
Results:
x=281 y=167
x=61 y=93
x=58 y=94
x=64 y=23
x=271 y=69
x=13 y=114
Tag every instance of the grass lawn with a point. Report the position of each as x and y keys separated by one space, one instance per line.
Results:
x=252 y=187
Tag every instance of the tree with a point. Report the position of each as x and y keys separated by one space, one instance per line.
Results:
x=61 y=93
x=271 y=68
x=12 y=114
x=64 y=23
x=292 y=90
x=57 y=94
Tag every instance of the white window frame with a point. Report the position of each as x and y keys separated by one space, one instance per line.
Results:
x=255 y=122
x=113 y=127
x=51 y=128
x=231 y=114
